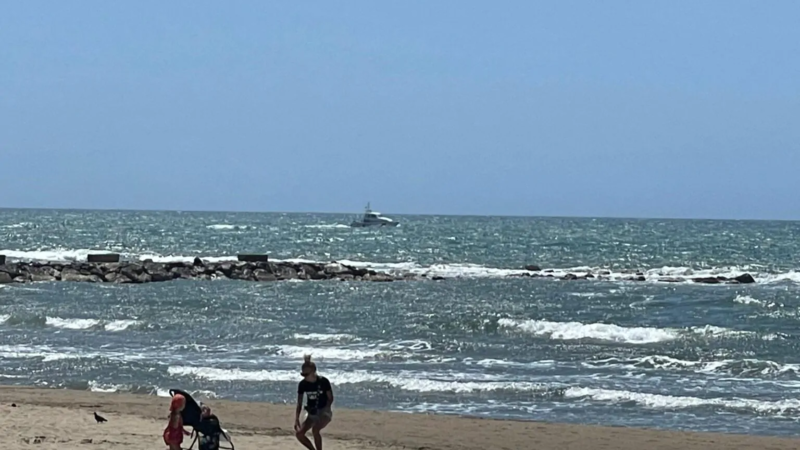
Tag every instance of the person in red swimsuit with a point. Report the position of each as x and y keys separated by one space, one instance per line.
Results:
x=173 y=434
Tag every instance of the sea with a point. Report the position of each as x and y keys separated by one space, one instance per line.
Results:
x=479 y=343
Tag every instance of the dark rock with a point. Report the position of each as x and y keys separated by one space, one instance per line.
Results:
x=379 y=277
x=11 y=269
x=264 y=275
x=198 y=262
x=174 y=265
x=604 y=272
x=589 y=275
x=569 y=277
x=163 y=276
x=706 y=280
x=345 y=277
x=43 y=273
x=336 y=269
x=110 y=267
x=286 y=273
x=745 y=279
x=112 y=277
x=132 y=271
x=159 y=272
x=438 y=278
x=74 y=275
x=671 y=280
x=533 y=268
x=549 y=271
x=226 y=269
x=359 y=272
x=184 y=272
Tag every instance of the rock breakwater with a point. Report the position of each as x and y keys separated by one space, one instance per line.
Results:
x=148 y=271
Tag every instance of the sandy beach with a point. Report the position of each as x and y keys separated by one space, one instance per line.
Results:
x=58 y=419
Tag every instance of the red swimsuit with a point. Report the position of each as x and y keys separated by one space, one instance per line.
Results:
x=174 y=435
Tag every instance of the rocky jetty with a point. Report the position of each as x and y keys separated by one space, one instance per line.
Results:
x=148 y=271
x=536 y=272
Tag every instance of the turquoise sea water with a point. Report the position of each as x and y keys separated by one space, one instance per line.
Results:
x=673 y=355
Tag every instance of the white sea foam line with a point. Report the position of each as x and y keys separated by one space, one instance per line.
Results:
x=331 y=353
x=120 y=325
x=748 y=300
x=221 y=226
x=325 y=226
x=4 y=318
x=659 y=401
x=728 y=366
x=406 y=381
x=71 y=324
x=16 y=225
x=576 y=330
x=49 y=354
x=323 y=337
x=568 y=331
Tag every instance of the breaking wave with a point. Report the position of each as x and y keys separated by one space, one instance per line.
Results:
x=408 y=381
x=672 y=402
x=571 y=331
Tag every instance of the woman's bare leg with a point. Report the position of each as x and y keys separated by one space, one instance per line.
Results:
x=301 y=435
x=321 y=423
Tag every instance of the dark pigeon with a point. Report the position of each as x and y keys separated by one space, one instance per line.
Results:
x=99 y=419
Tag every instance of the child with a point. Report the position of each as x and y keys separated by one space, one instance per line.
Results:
x=173 y=434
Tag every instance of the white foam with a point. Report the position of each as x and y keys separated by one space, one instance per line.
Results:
x=330 y=353
x=568 y=331
x=328 y=226
x=221 y=226
x=408 y=381
x=38 y=351
x=54 y=255
x=323 y=337
x=71 y=324
x=4 y=318
x=748 y=300
x=16 y=225
x=183 y=258
x=161 y=392
x=8 y=376
x=98 y=387
x=658 y=401
x=120 y=325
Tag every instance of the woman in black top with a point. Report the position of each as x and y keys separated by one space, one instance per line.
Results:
x=319 y=398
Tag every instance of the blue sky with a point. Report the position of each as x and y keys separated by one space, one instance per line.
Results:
x=614 y=108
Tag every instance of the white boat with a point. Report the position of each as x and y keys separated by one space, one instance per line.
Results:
x=373 y=219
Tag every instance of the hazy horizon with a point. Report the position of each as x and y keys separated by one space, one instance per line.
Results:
x=398 y=214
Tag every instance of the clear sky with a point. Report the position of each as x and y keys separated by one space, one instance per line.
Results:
x=589 y=108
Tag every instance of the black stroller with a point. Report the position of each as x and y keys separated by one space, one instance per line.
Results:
x=207 y=431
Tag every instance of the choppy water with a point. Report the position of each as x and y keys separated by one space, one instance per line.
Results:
x=613 y=352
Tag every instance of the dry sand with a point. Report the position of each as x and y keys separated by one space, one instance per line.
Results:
x=49 y=419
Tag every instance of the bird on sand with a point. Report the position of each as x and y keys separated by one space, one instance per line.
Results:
x=99 y=419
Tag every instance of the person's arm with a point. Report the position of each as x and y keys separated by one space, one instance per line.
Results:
x=329 y=392
x=298 y=409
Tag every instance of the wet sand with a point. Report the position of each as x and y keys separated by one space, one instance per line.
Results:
x=49 y=419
